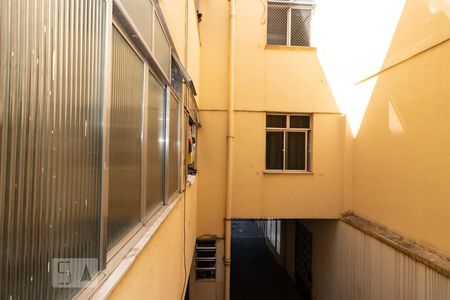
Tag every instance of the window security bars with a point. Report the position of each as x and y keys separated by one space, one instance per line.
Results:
x=289 y=22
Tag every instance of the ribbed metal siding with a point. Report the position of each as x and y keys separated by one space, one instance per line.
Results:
x=50 y=76
x=363 y=267
x=155 y=145
x=125 y=139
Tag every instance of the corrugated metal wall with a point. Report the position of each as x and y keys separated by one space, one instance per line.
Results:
x=125 y=139
x=348 y=264
x=50 y=76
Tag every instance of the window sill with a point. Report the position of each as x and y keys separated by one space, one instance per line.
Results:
x=103 y=284
x=290 y=48
x=287 y=172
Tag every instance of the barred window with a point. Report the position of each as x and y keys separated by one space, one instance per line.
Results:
x=289 y=22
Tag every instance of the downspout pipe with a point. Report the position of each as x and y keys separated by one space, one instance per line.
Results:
x=230 y=148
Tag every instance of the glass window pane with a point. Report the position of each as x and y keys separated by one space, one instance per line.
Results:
x=125 y=144
x=309 y=151
x=162 y=48
x=155 y=145
x=277 y=25
x=299 y=122
x=296 y=150
x=278 y=236
x=300 y=27
x=174 y=146
x=273 y=232
x=176 y=80
x=276 y=121
x=141 y=11
x=274 y=150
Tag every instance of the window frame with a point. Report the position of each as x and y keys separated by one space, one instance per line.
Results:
x=111 y=255
x=285 y=130
x=290 y=5
x=146 y=216
x=170 y=197
x=115 y=249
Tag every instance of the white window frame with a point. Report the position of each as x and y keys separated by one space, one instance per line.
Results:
x=291 y=4
x=285 y=130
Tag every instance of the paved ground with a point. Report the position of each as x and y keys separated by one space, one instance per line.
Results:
x=255 y=274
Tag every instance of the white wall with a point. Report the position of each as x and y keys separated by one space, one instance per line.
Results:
x=348 y=264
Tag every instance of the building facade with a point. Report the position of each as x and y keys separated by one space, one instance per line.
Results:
x=134 y=132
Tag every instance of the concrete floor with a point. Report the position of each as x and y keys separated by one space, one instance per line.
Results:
x=255 y=274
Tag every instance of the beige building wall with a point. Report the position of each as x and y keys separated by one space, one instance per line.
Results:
x=401 y=154
x=405 y=81
x=159 y=271
x=387 y=161
x=402 y=151
x=257 y=194
x=268 y=79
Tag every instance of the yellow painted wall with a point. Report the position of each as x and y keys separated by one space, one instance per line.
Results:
x=214 y=54
x=211 y=171
x=401 y=154
x=273 y=79
x=396 y=169
x=260 y=195
x=276 y=78
x=402 y=151
x=158 y=272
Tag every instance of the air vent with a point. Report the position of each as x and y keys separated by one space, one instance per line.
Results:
x=205 y=260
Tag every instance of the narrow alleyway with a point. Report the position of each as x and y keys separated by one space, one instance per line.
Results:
x=255 y=273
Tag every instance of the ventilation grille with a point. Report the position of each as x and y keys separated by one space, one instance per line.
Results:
x=205 y=260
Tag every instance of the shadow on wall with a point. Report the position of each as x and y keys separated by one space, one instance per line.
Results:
x=409 y=27
x=401 y=151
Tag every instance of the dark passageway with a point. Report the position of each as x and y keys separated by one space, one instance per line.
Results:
x=255 y=273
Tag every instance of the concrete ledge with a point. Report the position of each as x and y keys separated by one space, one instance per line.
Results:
x=290 y=48
x=106 y=280
x=424 y=255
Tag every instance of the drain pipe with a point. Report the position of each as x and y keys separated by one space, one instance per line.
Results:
x=230 y=137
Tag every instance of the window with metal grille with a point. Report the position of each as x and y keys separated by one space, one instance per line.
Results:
x=289 y=22
x=288 y=142
x=205 y=260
